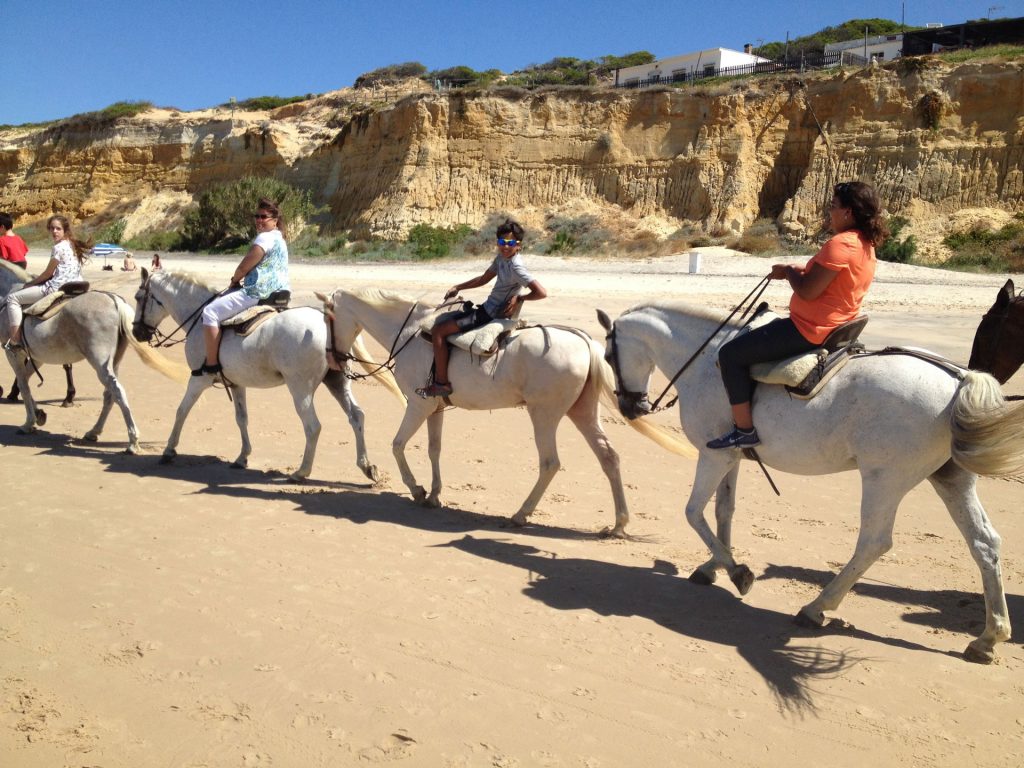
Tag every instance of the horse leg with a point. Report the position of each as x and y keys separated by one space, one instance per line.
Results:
x=69 y=397
x=242 y=420
x=12 y=396
x=415 y=414
x=879 y=501
x=113 y=392
x=957 y=489
x=587 y=420
x=725 y=505
x=545 y=425
x=21 y=374
x=196 y=386
x=310 y=426
x=711 y=475
x=341 y=389
x=435 y=426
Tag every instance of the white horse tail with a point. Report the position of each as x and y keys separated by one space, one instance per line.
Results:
x=383 y=375
x=988 y=433
x=156 y=361
x=602 y=377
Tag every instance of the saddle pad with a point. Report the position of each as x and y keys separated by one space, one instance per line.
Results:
x=790 y=372
x=48 y=306
x=483 y=341
x=248 y=320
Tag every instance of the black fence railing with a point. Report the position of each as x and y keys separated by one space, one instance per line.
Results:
x=798 y=64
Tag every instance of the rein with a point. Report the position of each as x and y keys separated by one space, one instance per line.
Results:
x=747 y=301
x=159 y=339
x=344 y=357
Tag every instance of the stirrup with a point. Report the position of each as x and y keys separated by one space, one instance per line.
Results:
x=435 y=389
x=206 y=368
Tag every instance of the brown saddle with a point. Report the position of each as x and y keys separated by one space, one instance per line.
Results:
x=248 y=320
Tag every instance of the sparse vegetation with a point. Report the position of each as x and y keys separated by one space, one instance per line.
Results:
x=116 y=111
x=222 y=220
x=894 y=249
x=760 y=237
x=429 y=242
x=113 y=232
x=989 y=250
x=268 y=102
x=570 y=234
x=156 y=240
x=990 y=52
x=931 y=108
x=391 y=74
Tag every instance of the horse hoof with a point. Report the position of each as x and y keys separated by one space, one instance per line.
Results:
x=133 y=449
x=23 y=430
x=40 y=417
x=432 y=502
x=90 y=437
x=807 y=622
x=702 y=578
x=297 y=478
x=167 y=458
x=372 y=474
x=743 y=578
x=238 y=465
x=67 y=404
x=613 y=533
x=977 y=655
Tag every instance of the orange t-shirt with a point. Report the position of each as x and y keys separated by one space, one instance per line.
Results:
x=853 y=257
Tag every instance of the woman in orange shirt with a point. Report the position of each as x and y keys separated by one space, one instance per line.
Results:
x=827 y=292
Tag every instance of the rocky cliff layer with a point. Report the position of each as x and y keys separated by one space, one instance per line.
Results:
x=935 y=138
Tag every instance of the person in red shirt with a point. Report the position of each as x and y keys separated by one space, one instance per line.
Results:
x=827 y=292
x=12 y=247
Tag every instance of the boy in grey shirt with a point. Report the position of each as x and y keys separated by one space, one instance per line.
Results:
x=503 y=302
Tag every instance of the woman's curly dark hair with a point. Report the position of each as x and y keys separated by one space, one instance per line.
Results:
x=863 y=202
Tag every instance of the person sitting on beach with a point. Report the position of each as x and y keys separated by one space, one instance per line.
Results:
x=263 y=271
x=129 y=263
x=12 y=247
x=504 y=301
x=65 y=265
x=155 y=263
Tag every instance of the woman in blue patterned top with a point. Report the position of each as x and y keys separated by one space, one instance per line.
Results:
x=263 y=271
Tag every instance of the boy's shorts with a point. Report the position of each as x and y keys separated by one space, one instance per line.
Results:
x=473 y=318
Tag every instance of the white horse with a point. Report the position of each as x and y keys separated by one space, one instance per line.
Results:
x=552 y=371
x=896 y=419
x=290 y=349
x=96 y=327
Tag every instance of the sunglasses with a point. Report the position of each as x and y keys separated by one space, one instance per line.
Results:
x=262 y=216
x=510 y=243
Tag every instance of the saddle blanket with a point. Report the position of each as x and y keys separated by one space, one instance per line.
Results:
x=52 y=303
x=248 y=320
x=483 y=341
x=803 y=375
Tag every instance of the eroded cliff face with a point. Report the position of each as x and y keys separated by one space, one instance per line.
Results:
x=934 y=139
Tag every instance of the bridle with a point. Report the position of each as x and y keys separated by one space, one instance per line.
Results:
x=156 y=337
x=639 y=400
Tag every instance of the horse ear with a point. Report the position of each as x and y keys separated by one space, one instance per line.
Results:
x=325 y=299
x=145 y=275
x=1005 y=295
x=604 y=320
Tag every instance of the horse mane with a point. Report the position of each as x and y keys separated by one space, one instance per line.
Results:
x=682 y=307
x=20 y=274
x=378 y=296
x=186 y=279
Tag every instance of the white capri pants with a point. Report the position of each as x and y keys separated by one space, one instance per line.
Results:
x=23 y=298
x=228 y=305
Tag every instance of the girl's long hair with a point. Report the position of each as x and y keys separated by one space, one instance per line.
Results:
x=80 y=248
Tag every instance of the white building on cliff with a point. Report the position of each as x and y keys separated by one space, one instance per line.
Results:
x=706 y=63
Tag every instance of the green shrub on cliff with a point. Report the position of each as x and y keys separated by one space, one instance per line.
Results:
x=222 y=220
x=429 y=242
x=988 y=250
x=894 y=249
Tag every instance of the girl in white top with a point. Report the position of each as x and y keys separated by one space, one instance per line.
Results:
x=65 y=266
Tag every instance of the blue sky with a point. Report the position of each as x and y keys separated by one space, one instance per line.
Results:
x=62 y=57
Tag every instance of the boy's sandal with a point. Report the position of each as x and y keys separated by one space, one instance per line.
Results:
x=435 y=390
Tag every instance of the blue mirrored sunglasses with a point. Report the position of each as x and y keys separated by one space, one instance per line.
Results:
x=510 y=243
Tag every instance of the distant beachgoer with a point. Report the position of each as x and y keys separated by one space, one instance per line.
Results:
x=12 y=247
x=65 y=265
x=155 y=263
x=129 y=263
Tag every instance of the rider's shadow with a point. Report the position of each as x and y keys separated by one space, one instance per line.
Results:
x=946 y=609
x=708 y=614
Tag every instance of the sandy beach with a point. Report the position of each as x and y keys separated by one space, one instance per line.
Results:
x=195 y=615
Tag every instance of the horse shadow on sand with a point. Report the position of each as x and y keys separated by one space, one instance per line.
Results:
x=951 y=610
x=766 y=639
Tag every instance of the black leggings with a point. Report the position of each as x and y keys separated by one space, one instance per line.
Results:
x=777 y=340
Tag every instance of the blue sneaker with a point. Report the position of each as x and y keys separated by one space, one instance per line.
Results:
x=738 y=438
